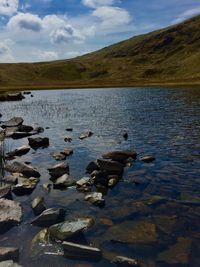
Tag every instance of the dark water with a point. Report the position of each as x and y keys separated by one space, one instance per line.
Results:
x=160 y=122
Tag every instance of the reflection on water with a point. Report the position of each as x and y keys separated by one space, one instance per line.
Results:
x=160 y=122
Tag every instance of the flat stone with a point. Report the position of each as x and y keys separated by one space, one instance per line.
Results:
x=120 y=156
x=25 y=186
x=75 y=251
x=9 y=253
x=86 y=135
x=69 y=229
x=10 y=214
x=15 y=121
x=38 y=142
x=96 y=199
x=5 y=192
x=38 y=205
x=18 y=152
x=49 y=217
x=26 y=170
x=125 y=262
x=112 y=167
x=63 y=182
x=59 y=170
x=9 y=263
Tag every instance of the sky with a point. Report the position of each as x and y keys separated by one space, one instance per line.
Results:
x=44 y=30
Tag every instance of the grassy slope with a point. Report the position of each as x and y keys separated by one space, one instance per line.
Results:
x=170 y=55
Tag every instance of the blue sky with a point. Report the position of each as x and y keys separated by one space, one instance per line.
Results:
x=41 y=30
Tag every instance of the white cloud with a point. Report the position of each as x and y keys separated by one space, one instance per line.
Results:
x=8 y=7
x=97 y=3
x=26 y=21
x=5 y=53
x=187 y=14
x=112 y=17
x=65 y=35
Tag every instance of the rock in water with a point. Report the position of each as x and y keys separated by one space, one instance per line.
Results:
x=18 y=152
x=63 y=182
x=120 y=156
x=86 y=135
x=96 y=199
x=49 y=217
x=9 y=264
x=125 y=262
x=112 y=167
x=10 y=214
x=5 y=192
x=59 y=170
x=9 y=253
x=15 y=121
x=18 y=167
x=69 y=229
x=81 y=252
x=38 y=205
x=38 y=142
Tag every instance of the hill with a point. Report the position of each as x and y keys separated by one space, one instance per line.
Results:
x=166 y=56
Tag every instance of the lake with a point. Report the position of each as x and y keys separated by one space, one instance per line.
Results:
x=153 y=213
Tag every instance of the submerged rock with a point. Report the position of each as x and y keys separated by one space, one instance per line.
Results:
x=86 y=135
x=125 y=262
x=38 y=142
x=15 y=121
x=74 y=251
x=59 y=170
x=9 y=253
x=49 y=217
x=38 y=205
x=10 y=214
x=140 y=231
x=63 y=182
x=18 y=167
x=69 y=229
x=18 y=152
x=96 y=199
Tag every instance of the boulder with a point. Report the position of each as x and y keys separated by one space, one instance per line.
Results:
x=96 y=199
x=63 y=182
x=10 y=214
x=15 y=121
x=148 y=159
x=9 y=253
x=49 y=217
x=38 y=142
x=92 y=166
x=5 y=192
x=86 y=135
x=120 y=156
x=59 y=170
x=82 y=252
x=25 y=186
x=18 y=152
x=18 y=167
x=69 y=229
x=38 y=205
x=125 y=262
x=9 y=263
x=112 y=167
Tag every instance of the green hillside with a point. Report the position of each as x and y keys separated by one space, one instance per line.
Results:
x=170 y=55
